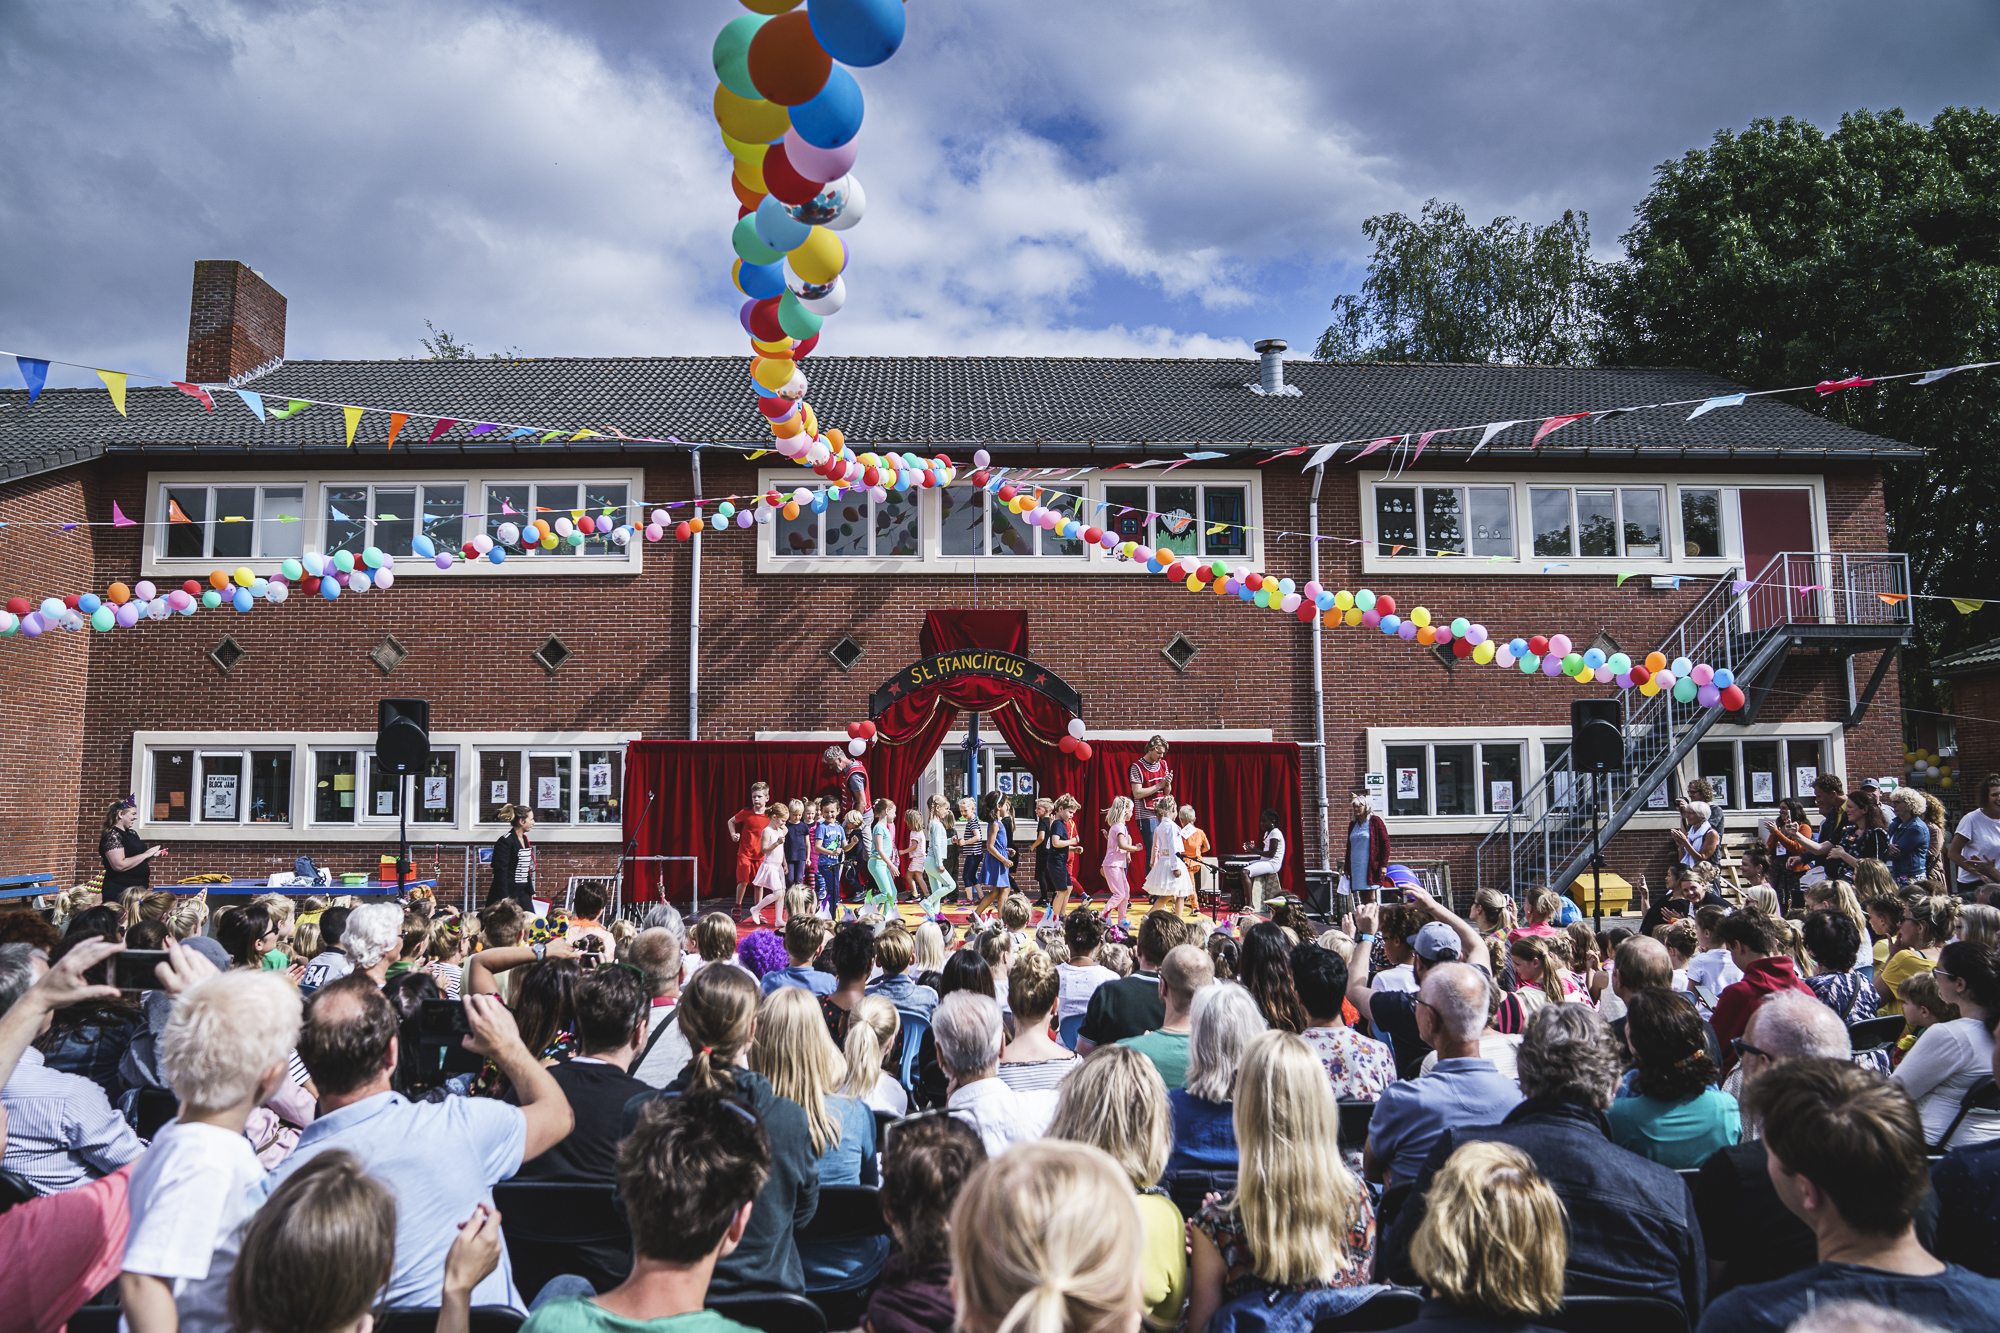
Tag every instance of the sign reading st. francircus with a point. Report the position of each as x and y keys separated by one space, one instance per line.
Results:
x=932 y=672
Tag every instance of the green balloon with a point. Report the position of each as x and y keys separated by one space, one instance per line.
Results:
x=795 y=319
x=101 y=619
x=1684 y=691
x=211 y=599
x=1220 y=570
x=732 y=54
x=750 y=247
x=1572 y=664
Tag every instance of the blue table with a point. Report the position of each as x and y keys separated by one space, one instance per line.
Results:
x=254 y=887
x=26 y=886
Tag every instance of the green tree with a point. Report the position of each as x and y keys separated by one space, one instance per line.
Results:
x=1786 y=255
x=443 y=347
x=1441 y=289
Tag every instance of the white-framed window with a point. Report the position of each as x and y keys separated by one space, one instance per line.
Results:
x=1460 y=777
x=1555 y=522
x=1210 y=515
x=205 y=521
x=561 y=784
x=350 y=786
x=212 y=784
x=1756 y=772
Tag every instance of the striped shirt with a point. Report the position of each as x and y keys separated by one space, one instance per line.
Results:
x=61 y=1131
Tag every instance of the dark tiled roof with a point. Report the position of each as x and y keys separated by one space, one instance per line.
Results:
x=942 y=402
x=1984 y=657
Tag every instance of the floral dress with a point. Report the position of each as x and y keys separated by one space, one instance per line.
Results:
x=1224 y=1228
x=1853 y=998
x=1358 y=1067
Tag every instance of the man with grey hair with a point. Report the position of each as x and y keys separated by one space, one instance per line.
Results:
x=373 y=938
x=1632 y=1228
x=656 y=952
x=1463 y=1088
x=61 y=1131
x=1751 y=1236
x=969 y=1036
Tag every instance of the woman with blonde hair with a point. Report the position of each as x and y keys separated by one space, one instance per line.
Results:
x=1047 y=1239
x=1837 y=895
x=926 y=953
x=1765 y=899
x=796 y=1056
x=1537 y=978
x=1979 y=924
x=1033 y=1059
x=1926 y=927
x=1116 y=1101
x=872 y=1025
x=1493 y=1243
x=1544 y=906
x=1298 y=1221
x=1493 y=917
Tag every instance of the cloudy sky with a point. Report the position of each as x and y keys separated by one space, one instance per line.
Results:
x=1177 y=177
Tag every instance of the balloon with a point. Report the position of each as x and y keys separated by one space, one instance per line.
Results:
x=1287 y=587
x=654 y=532
x=854 y=201
x=1407 y=630
x=344 y=561
x=1664 y=679
x=278 y=595
x=832 y=117
x=1503 y=656
x=1067 y=745
x=1656 y=662
x=1365 y=600
x=1529 y=665
x=178 y=599
x=778 y=229
x=1707 y=696
x=118 y=594
x=1475 y=635
x=1426 y=636
x=1649 y=689
x=1344 y=599
x=815 y=163
x=731 y=52
x=216 y=579
x=52 y=608
x=18 y=606
x=371 y=556
x=857 y=748
x=785 y=61
x=1443 y=633
x=211 y=599
x=796 y=319
x=1594 y=658
x=1537 y=646
x=360 y=580
x=243 y=601
x=1384 y=603
x=981 y=459
x=1703 y=674
x=1076 y=727
x=1723 y=678
x=1559 y=644
x=1289 y=602
x=1083 y=749
x=819 y=258
x=760 y=282
x=88 y=603
x=858 y=32
x=1571 y=663
x=32 y=624
x=1682 y=667
x=1602 y=675
x=104 y=618
x=1392 y=624
x=1622 y=680
x=1619 y=663
x=1482 y=652
x=1421 y=616
x=748 y=119
x=1639 y=674
x=1371 y=619
x=1684 y=690
x=825 y=299
x=1732 y=698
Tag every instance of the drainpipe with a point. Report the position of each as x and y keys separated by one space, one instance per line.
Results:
x=1319 y=670
x=694 y=611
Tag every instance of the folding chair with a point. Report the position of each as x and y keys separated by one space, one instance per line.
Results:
x=554 y=1228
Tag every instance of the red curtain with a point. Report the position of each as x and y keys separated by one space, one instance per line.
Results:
x=912 y=728
x=695 y=786
x=947 y=631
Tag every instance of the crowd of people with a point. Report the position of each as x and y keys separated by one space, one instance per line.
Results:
x=300 y=1116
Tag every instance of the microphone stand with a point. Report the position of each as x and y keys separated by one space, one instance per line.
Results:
x=633 y=842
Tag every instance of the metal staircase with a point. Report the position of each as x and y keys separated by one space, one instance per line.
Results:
x=1830 y=599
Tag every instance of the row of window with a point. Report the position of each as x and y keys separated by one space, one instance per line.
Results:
x=1585 y=522
x=347 y=785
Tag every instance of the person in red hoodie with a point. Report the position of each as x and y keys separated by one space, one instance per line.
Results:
x=1753 y=940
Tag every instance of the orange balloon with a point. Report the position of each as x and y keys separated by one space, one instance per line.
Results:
x=119 y=594
x=786 y=61
x=791 y=509
x=1426 y=635
x=790 y=426
x=835 y=439
x=745 y=196
x=1656 y=662
x=696 y=524
x=218 y=580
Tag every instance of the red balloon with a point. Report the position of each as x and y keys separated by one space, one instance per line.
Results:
x=1083 y=747
x=72 y=599
x=1093 y=535
x=1539 y=646
x=1306 y=612
x=1733 y=697
x=1206 y=573
x=775 y=408
x=800 y=351
x=1007 y=493
x=1175 y=572
x=743 y=211
x=980 y=479
x=1254 y=582
x=872 y=477
x=1385 y=604
x=1461 y=648
x=683 y=531
x=764 y=326
x=1639 y=674
x=867 y=730
x=1067 y=745
x=786 y=62
x=784 y=180
x=854 y=731
x=19 y=606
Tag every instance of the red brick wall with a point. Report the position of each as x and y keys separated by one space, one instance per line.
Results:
x=1976 y=697
x=236 y=322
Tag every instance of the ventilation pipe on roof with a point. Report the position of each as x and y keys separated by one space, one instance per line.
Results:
x=1271 y=370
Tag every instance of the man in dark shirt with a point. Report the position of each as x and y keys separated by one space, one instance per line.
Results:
x=613 y=1016
x=1131 y=1006
x=1846 y=1150
x=1632 y=1228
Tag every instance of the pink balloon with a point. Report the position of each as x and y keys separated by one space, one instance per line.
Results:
x=1371 y=619
x=819 y=164
x=1602 y=675
x=654 y=532
x=1443 y=634
x=1702 y=674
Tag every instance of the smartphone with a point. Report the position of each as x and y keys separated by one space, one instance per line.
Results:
x=134 y=969
x=442 y=1022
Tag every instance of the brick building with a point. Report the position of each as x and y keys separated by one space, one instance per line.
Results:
x=246 y=737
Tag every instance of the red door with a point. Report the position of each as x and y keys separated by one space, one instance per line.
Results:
x=1775 y=521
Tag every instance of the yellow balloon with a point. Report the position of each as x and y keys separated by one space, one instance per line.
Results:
x=812 y=421
x=1420 y=617
x=1649 y=689
x=819 y=257
x=1482 y=653
x=1343 y=599
x=777 y=348
x=870 y=460
x=244 y=577
x=747 y=152
x=751 y=174
x=773 y=371
x=550 y=542
x=1193 y=584
x=1585 y=675
x=1354 y=614
x=750 y=119
x=1944 y=782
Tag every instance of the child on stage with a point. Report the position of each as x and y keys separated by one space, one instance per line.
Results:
x=829 y=843
x=770 y=875
x=882 y=858
x=746 y=830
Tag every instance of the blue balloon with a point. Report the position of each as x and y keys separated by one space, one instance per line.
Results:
x=498 y=555
x=89 y=602
x=329 y=589
x=1680 y=666
x=1324 y=601
x=777 y=228
x=857 y=32
x=1518 y=647
x=1724 y=678
x=829 y=120
x=423 y=547
x=243 y=601
x=761 y=282
x=1594 y=658
x=1391 y=623
x=1153 y=566
x=819 y=502
x=1243 y=591
x=1286 y=587
x=187 y=610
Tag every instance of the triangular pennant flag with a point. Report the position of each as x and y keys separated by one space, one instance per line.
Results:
x=1563 y=565
x=253 y=401
x=335 y=514
x=1373 y=445
x=759 y=454
x=576 y=514
x=1740 y=586
x=353 y=415
x=1324 y=452
x=483 y=427
x=118 y=519
x=114 y=380
x=196 y=391
x=1554 y=424
x=1622 y=578
x=1486 y=436
x=1825 y=387
x=174 y=514
x=552 y=435
x=290 y=409
x=443 y=424
x=1287 y=453
x=1966 y=606
x=1214 y=528
x=1726 y=400
x=1496 y=559
x=35 y=374
x=396 y=420
x=1395 y=550
x=1422 y=440
x=524 y=430
x=1192 y=458
x=1933 y=376
x=1894 y=598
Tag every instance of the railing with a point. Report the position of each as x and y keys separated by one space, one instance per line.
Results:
x=1745 y=625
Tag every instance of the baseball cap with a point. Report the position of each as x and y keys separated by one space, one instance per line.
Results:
x=1870 y=784
x=1436 y=943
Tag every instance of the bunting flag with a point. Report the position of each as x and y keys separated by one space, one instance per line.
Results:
x=1215 y=528
x=483 y=427
x=253 y=401
x=1554 y=424
x=1563 y=565
x=1966 y=606
x=35 y=374
x=1933 y=376
x=1677 y=582
x=443 y=424
x=1726 y=400
x=353 y=415
x=1894 y=598
x=1373 y=445
x=196 y=391
x=1739 y=587
x=520 y=431
x=1486 y=436
x=114 y=380
x=118 y=519
x=1622 y=578
x=1825 y=387
x=174 y=513
x=1324 y=452
x=290 y=409
x=396 y=420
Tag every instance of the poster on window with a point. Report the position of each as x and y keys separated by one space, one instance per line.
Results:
x=1763 y=788
x=1005 y=782
x=1721 y=786
x=435 y=793
x=497 y=793
x=1656 y=799
x=1803 y=778
x=385 y=802
x=219 y=797
x=1024 y=784
x=1406 y=784
x=600 y=779
x=1376 y=785
x=1502 y=801
x=548 y=793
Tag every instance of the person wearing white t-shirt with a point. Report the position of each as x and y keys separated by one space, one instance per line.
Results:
x=1270 y=860
x=1080 y=974
x=224 y=1054
x=1975 y=847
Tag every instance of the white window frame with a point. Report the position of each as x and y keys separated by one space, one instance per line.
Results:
x=144 y=787
x=629 y=561
x=931 y=558
x=1830 y=735
x=1524 y=561
x=366 y=827
x=526 y=752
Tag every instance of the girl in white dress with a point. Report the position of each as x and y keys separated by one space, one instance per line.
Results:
x=1169 y=876
x=770 y=876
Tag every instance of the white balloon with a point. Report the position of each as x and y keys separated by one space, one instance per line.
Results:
x=385 y=578
x=857 y=747
x=1076 y=727
x=660 y=518
x=509 y=534
x=802 y=496
x=564 y=527
x=857 y=202
x=277 y=595
x=764 y=515
x=831 y=303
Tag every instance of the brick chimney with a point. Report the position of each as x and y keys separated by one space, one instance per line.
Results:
x=236 y=324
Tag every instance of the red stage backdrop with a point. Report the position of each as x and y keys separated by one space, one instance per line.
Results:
x=695 y=787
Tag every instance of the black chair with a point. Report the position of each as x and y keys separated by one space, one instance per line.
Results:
x=1875 y=1034
x=14 y=1189
x=553 y=1229
x=423 y=1319
x=104 y=1319
x=155 y=1107
x=1188 y=1188
x=846 y=1213
x=1392 y=1203
x=1354 y=1120
x=1616 y=1314
x=882 y=1122
x=770 y=1312
x=1981 y=1096
x=1385 y=1309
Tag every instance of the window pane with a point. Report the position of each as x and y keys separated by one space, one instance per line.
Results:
x=899 y=523
x=1408 y=782
x=235 y=525
x=1761 y=784
x=1067 y=501
x=1551 y=516
x=552 y=503
x=381 y=790
x=189 y=540
x=346 y=518
x=506 y=504
x=1716 y=761
x=551 y=778
x=499 y=782
x=1799 y=756
x=395 y=520
x=1225 y=505
x=1500 y=777
x=1395 y=520
x=847 y=525
x=221 y=788
x=436 y=790
x=444 y=516
x=1130 y=525
x=1701 y=523
x=1492 y=519
x=270 y=786
x=281 y=530
x=1457 y=780
x=1596 y=523
x=173 y=780
x=1562 y=785
x=603 y=786
x=1176 y=505
x=1642 y=523
x=960 y=508
x=604 y=503
x=795 y=536
x=1011 y=534
x=333 y=786
x=1442 y=534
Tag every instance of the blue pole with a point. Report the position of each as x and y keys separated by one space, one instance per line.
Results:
x=972 y=757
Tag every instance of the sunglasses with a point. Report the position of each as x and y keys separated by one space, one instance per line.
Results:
x=1743 y=1048
x=1943 y=975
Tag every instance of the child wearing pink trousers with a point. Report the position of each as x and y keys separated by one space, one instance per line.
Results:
x=770 y=876
x=1118 y=849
